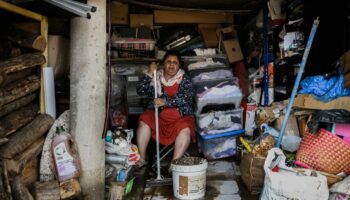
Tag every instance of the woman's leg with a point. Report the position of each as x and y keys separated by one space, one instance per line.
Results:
x=142 y=138
x=181 y=143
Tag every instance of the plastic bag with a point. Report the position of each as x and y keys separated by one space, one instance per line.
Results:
x=289 y=184
x=323 y=88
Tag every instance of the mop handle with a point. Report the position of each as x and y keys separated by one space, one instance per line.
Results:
x=297 y=80
x=157 y=126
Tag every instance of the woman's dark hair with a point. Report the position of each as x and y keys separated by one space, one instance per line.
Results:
x=172 y=53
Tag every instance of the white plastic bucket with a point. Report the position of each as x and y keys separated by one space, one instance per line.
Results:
x=189 y=181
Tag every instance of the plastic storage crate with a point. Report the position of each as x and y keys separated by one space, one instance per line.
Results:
x=232 y=96
x=205 y=62
x=134 y=47
x=217 y=122
x=210 y=74
x=220 y=145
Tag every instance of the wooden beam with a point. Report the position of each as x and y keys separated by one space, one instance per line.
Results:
x=44 y=32
x=21 y=11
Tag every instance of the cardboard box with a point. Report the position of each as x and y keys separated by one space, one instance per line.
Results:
x=227 y=33
x=345 y=61
x=209 y=37
x=138 y=20
x=208 y=33
x=230 y=44
x=191 y=17
x=232 y=50
x=58 y=54
x=119 y=13
x=306 y=101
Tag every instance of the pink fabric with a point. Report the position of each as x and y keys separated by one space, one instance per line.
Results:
x=344 y=131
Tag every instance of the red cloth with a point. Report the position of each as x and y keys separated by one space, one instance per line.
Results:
x=170 y=121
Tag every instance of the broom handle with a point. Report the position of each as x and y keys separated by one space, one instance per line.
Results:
x=297 y=80
x=157 y=126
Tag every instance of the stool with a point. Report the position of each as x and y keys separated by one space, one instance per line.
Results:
x=166 y=150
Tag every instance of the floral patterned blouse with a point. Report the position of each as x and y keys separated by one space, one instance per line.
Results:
x=183 y=100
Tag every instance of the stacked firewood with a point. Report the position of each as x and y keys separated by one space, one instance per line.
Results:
x=22 y=127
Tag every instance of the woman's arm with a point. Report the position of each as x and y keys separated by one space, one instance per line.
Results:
x=144 y=86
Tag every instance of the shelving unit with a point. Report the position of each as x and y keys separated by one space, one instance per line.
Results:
x=43 y=31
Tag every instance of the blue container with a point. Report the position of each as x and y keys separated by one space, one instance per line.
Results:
x=219 y=145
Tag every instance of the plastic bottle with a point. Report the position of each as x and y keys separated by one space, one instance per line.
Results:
x=65 y=155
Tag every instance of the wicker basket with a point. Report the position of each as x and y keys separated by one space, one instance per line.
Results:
x=134 y=47
x=324 y=152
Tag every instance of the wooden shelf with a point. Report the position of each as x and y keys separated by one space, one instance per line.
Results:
x=134 y=60
x=44 y=32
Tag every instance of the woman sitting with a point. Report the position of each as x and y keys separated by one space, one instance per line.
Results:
x=175 y=101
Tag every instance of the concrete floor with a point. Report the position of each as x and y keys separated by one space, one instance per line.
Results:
x=223 y=181
x=222 y=184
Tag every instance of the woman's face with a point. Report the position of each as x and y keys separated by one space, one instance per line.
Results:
x=171 y=66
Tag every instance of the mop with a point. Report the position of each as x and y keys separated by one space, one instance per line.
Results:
x=159 y=181
x=297 y=80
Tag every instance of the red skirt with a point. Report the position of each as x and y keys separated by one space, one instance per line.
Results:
x=170 y=124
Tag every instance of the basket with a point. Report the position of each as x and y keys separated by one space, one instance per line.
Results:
x=324 y=152
x=134 y=47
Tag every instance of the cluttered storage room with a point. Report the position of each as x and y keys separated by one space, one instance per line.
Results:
x=159 y=99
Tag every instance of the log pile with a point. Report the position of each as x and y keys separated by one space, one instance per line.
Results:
x=22 y=127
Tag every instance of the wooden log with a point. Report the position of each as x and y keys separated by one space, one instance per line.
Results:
x=19 y=89
x=12 y=77
x=6 y=181
x=5 y=49
x=117 y=190
x=26 y=136
x=10 y=107
x=21 y=62
x=70 y=189
x=15 y=52
x=16 y=165
x=30 y=173
x=24 y=38
x=17 y=119
x=3 y=141
x=19 y=190
x=47 y=190
x=3 y=194
x=32 y=27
